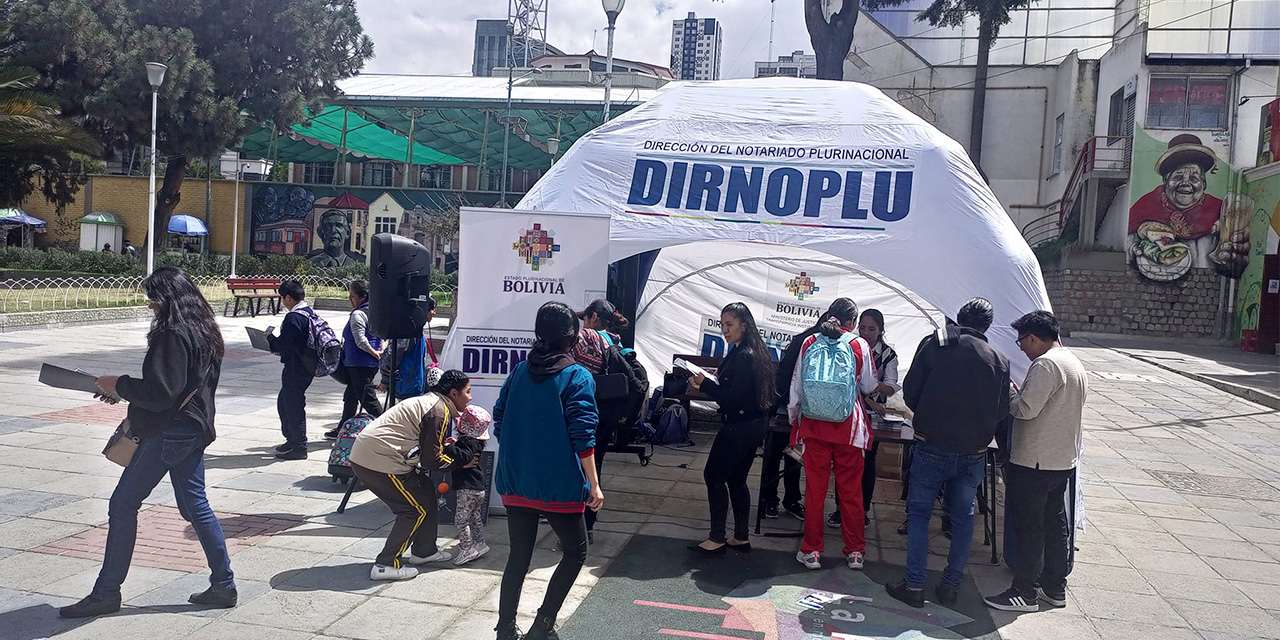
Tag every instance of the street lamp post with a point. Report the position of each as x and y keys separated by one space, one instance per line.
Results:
x=611 y=10
x=155 y=76
x=235 y=216
x=506 y=126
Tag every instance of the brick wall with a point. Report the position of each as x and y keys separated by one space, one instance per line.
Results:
x=1123 y=302
x=126 y=197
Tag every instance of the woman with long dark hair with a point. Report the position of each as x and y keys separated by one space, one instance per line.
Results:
x=745 y=395
x=545 y=421
x=830 y=444
x=171 y=412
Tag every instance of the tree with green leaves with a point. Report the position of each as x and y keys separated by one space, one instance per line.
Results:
x=232 y=64
x=992 y=15
x=39 y=148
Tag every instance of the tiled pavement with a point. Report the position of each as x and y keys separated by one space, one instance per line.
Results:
x=1182 y=486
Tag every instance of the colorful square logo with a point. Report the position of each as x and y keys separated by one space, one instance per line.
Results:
x=537 y=246
x=802 y=286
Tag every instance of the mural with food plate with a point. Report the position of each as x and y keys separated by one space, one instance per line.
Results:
x=1184 y=214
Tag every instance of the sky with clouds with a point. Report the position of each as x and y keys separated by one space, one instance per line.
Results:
x=435 y=37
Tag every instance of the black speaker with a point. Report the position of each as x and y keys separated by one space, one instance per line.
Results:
x=399 y=286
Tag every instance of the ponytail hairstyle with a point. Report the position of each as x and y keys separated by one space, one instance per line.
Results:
x=452 y=380
x=840 y=314
x=608 y=314
x=757 y=353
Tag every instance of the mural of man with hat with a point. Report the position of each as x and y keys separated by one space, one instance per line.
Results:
x=1181 y=218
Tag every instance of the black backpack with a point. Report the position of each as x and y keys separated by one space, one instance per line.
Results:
x=621 y=392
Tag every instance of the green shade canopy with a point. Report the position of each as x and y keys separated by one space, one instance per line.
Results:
x=320 y=137
x=103 y=218
x=475 y=134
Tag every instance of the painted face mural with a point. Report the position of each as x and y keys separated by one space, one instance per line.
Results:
x=1179 y=224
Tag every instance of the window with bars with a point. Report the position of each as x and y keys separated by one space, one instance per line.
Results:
x=491 y=180
x=436 y=176
x=317 y=173
x=376 y=174
x=1187 y=102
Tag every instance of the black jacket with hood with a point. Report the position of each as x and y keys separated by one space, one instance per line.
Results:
x=958 y=387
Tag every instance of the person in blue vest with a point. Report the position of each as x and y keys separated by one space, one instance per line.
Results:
x=361 y=351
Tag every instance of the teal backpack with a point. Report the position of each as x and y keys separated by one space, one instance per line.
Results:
x=828 y=379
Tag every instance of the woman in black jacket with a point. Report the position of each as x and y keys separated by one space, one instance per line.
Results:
x=745 y=394
x=171 y=412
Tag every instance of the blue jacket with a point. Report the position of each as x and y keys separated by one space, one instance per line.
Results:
x=545 y=429
x=352 y=354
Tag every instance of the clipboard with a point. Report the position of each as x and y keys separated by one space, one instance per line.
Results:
x=681 y=363
x=76 y=380
x=258 y=338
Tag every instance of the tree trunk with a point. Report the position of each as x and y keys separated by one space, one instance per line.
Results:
x=167 y=198
x=831 y=37
x=978 y=114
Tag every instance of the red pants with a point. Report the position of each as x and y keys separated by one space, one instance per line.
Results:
x=819 y=457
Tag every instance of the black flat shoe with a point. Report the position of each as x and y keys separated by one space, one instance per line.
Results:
x=740 y=548
x=91 y=606
x=912 y=597
x=701 y=550
x=221 y=599
x=946 y=595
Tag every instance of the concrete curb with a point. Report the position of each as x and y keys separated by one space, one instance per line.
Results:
x=52 y=319
x=1248 y=393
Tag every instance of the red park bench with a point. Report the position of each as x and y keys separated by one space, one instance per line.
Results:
x=253 y=291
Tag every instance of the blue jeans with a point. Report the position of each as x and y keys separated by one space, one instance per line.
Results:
x=179 y=452
x=961 y=473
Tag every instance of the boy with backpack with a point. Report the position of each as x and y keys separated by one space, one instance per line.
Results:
x=307 y=347
x=833 y=371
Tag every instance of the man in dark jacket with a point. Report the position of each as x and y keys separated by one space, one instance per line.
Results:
x=299 y=370
x=958 y=388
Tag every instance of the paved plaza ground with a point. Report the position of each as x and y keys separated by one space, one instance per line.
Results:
x=1182 y=486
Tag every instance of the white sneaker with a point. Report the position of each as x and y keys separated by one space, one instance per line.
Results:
x=383 y=572
x=809 y=560
x=856 y=560
x=471 y=554
x=439 y=556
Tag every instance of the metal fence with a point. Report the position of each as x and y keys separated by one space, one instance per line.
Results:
x=59 y=294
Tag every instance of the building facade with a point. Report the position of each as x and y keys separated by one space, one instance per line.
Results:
x=797 y=65
x=696 y=48
x=490 y=48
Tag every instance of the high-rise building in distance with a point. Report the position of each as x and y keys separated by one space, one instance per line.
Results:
x=491 y=48
x=695 y=48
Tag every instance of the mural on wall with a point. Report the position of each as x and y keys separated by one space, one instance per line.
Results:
x=1268 y=136
x=331 y=226
x=1264 y=230
x=1182 y=216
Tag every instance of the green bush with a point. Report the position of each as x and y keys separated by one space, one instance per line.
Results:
x=97 y=262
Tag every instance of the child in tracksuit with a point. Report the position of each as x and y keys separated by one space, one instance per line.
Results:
x=469 y=484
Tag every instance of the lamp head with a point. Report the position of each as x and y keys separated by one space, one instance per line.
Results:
x=612 y=7
x=553 y=146
x=155 y=74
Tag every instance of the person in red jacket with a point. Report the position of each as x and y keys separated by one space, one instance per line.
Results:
x=838 y=445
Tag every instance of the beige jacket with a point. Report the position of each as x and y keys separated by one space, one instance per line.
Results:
x=396 y=442
x=1048 y=410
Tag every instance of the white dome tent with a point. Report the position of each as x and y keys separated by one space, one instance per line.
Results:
x=689 y=285
x=833 y=167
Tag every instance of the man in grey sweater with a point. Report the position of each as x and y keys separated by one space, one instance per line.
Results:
x=1045 y=447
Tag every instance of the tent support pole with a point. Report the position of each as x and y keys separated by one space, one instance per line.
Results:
x=408 y=161
x=339 y=164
